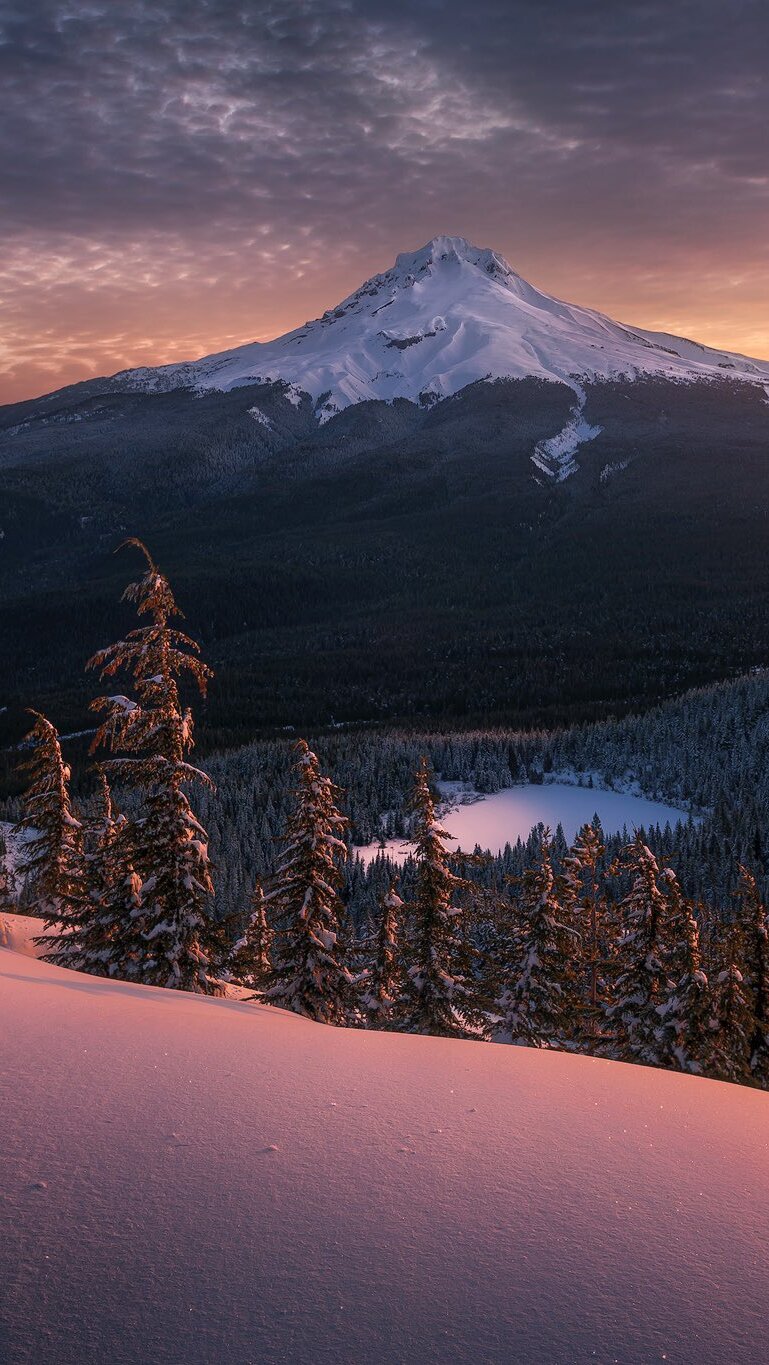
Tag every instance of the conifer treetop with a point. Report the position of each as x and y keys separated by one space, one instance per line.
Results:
x=310 y=976
x=107 y=812
x=157 y=655
x=441 y=998
x=47 y=801
x=53 y=853
x=172 y=941
x=152 y=592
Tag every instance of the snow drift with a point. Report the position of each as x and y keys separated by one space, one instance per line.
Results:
x=194 y=1180
x=441 y=318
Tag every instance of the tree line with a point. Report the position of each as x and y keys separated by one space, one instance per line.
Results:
x=586 y=951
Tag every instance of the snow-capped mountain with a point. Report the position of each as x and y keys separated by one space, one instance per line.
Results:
x=441 y=318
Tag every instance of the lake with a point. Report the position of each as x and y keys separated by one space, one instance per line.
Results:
x=511 y=814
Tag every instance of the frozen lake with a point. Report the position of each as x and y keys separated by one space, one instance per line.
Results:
x=509 y=815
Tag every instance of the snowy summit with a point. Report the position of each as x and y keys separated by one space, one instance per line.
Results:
x=439 y=319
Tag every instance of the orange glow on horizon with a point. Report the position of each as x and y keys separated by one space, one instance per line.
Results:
x=95 y=310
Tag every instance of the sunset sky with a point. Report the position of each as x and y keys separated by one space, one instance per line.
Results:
x=178 y=176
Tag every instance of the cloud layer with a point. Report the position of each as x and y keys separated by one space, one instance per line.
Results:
x=181 y=175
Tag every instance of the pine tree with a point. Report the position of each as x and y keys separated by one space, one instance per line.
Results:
x=250 y=962
x=499 y=939
x=581 y=888
x=441 y=996
x=88 y=943
x=8 y=897
x=52 y=861
x=643 y=986
x=103 y=943
x=309 y=975
x=384 y=984
x=688 y=1024
x=755 y=939
x=171 y=942
x=731 y=1043
x=539 y=1004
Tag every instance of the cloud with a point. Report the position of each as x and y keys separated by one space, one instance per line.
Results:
x=266 y=152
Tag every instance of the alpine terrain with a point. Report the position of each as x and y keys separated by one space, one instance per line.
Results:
x=451 y=494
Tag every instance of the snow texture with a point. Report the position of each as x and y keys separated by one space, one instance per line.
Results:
x=260 y=417
x=556 y=456
x=610 y=469
x=441 y=318
x=196 y=1180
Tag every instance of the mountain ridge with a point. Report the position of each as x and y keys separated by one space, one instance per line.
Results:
x=443 y=317
x=517 y=549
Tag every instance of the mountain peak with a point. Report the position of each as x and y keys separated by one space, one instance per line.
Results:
x=441 y=318
x=445 y=250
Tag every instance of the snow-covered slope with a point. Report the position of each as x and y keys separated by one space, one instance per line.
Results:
x=439 y=319
x=189 y=1180
x=19 y=932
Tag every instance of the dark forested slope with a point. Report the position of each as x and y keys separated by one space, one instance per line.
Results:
x=398 y=561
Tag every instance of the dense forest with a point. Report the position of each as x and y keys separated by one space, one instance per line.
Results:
x=707 y=751
x=394 y=566
x=647 y=947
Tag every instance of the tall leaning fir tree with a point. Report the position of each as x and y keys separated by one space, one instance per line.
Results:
x=171 y=941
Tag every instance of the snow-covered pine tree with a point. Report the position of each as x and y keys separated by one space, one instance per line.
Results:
x=686 y=1014
x=120 y=906
x=498 y=939
x=8 y=895
x=645 y=951
x=441 y=997
x=103 y=942
x=88 y=945
x=731 y=1043
x=309 y=975
x=171 y=942
x=250 y=963
x=100 y=829
x=755 y=940
x=581 y=887
x=539 y=1005
x=52 y=860
x=384 y=984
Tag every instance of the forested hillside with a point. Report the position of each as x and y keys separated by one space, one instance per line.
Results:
x=394 y=564
x=596 y=945
x=707 y=751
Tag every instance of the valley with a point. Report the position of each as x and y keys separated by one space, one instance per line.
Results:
x=567 y=523
x=384 y=683
x=399 y=565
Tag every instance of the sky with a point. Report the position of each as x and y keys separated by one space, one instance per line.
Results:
x=180 y=176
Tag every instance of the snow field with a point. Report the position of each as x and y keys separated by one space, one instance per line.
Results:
x=197 y=1180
